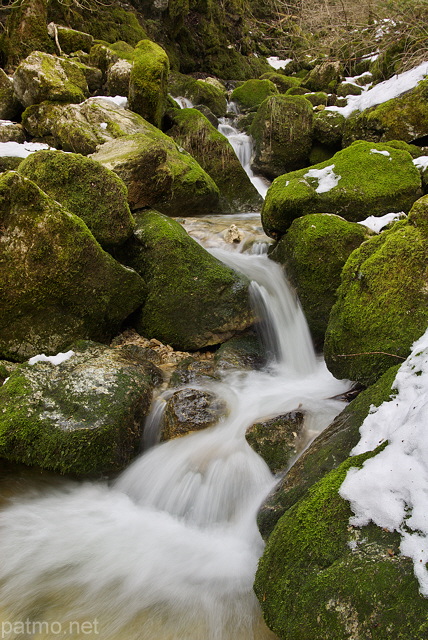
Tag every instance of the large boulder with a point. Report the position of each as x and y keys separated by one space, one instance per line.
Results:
x=382 y=305
x=250 y=94
x=282 y=132
x=402 y=118
x=148 y=81
x=199 y=92
x=56 y=283
x=324 y=77
x=313 y=252
x=329 y=127
x=70 y=40
x=81 y=128
x=192 y=131
x=10 y=108
x=320 y=577
x=26 y=31
x=159 y=174
x=193 y=299
x=83 y=416
x=118 y=78
x=85 y=188
x=42 y=76
x=362 y=180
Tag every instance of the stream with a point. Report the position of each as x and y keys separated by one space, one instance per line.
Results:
x=169 y=549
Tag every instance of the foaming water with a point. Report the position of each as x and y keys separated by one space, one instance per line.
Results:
x=169 y=551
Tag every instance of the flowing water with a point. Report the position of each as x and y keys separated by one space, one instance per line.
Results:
x=168 y=551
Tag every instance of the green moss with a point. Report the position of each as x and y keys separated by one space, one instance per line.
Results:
x=148 y=82
x=328 y=128
x=320 y=153
x=198 y=92
x=313 y=252
x=26 y=31
x=382 y=305
x=72 y=40
x=311 y=583
x=85 y=188
x=317 y=98
x=370 y=184
x=277 y=440
x=251 y=93
x=281 y=81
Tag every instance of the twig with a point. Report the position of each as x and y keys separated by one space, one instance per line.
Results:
x=368 y=353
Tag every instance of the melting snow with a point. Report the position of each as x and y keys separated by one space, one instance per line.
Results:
x=120 y=101
x=376 y=223
x=20 y=150
x=421 y=162
x=276 y=63
x=391 y=489
x=327 y=179
x=384 y=91
x=60 y=357
x=382 y=153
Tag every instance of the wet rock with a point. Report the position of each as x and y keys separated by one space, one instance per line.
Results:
x=190 y=410
x=233 y=235
x=198 y=92
x=191 y=370
x=277 y=440
x=84 y=416
x=241 y=352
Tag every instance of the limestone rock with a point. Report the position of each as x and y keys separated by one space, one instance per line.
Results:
x=84 y=416
x=118 y=78
x=42 y=76
x=57 y=284
x=190 y=410
x=12 y=132
x=277 y=440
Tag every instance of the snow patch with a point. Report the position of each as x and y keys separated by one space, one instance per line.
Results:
x=277 y=63
x=60 y=357
x=103 y=125
x=20 y=150
x=326 y=177
x=376 y=223
x=391 y=489
x=382 y=153
x=421 y=162
x=120 y=101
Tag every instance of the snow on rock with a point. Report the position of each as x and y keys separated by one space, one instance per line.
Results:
x=277 y=63
x=326 y=177
x=60 y=357
x=120 y=101
x=20 y=150
x=391 y=489
x=421 y=162
x=384 y=91
x=377 y=223
x=382 y=153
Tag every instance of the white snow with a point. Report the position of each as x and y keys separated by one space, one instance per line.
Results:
x=326 y=177
x=60 y=357
x=120 y=101
x=382 y=153
x=384 y=91
x=421 y=162
x=6 y=123
x=391 y=489
x=20 y=150
x=277 y=63
x=5 y=380
x=103 y=125
x=376 y=223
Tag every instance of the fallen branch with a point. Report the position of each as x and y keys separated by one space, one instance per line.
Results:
x=369 y=353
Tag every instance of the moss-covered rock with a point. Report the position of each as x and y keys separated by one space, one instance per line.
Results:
x=382 y=305
x=324 y=77
x=12 y=133
x=193 y=299
x=251 y=93
x=313 y=252
x=403 y=118
x=157 y=173
x=282 y=132
x=325 y=453
x=84 y=416
x=242 y=352
x=277 y=440
x=191 y=371
x=70 y=39
x=328 y=128
x=42 y=76
x=198 y=92
x=10 y=107
x=282 y=82
x=192 y=131
x=317 y=98
x=118 y=78
x=26 y=31
x=148 y=81
x=348 y=89
x=319 y=577
x=190 y=410
x=362 y=180
x=57 y=284
x=85 y=188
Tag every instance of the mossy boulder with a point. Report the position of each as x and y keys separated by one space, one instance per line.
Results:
x=362 y=180
x=84 y=416
x=313 y=252
x=71 y=40
x=348 y=89
x=118 y=78
x=42 y=76
x=317 y=98
x=26 y=31
x=12 y=133
x=85 y=188
x=190 y=410
x=403 y=118
x=251 y=93
x=242 y=352
x=325 y=453
x=10 y=107
x=198 y=92
x=148 y=81
x=319 y=577
x=193 y=299
x=329 y=127
x=282 y=132
x=82 y=128
x=192 y=131
x=324 y=77
x=57 y=284
x=159 y=174
x=278 y=439
x=282 y=82
x=382 y=305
